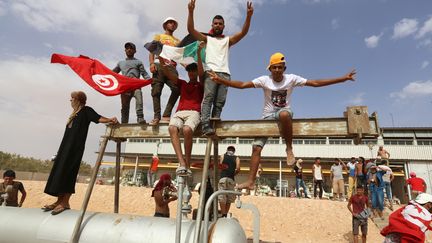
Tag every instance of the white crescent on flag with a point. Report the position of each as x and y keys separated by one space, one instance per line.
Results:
x=105 y=82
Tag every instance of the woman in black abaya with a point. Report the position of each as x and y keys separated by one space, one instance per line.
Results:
x=61 y=181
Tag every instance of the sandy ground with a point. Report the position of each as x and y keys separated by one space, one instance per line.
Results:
x=282 y=219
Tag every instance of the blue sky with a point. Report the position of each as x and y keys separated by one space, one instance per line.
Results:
x=389 y=42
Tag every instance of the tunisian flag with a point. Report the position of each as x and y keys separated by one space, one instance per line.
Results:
x=98 y=76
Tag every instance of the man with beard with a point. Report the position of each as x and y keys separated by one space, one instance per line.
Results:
x=217 y=52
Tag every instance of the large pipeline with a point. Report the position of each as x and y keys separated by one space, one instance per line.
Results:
x=32 y=225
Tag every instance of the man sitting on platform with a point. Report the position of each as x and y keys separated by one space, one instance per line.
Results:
x=277 y=88
x=187 y=116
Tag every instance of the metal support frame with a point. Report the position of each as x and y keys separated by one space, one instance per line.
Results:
x=117 y=178
x=181 y=185
x=76 y=231
x=356 y=124
x=215 y=176
x=202 y=190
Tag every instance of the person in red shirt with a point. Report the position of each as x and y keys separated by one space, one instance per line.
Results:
x=417 y=185
x=409 y=223
x=187 y=116
x=151 y=173
x=358 y=205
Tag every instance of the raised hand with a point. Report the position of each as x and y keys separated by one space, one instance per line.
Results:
x=191 y=5
x=249 y=9
x=351 y=75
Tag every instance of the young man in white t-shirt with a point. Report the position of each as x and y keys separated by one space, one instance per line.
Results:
x=217 y=57
x=277 y=87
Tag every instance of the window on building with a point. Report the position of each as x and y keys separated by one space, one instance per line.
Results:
x=398 y=142
x=296 y=141
x=151 y=140
x=314 y=141
x=273 y=141
x=166 y=140
x=245 y=141
x=424 y=142
x=340 y=141
x=368 y=141
x=229 y=141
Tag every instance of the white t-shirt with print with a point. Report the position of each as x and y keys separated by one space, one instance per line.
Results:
x=277 y=95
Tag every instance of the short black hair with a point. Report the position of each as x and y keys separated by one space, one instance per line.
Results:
x=191 y=67
x=218 y=17
x=317 y=158
x=231 y=148
x=362 y=159
x=9 y=173
x=360 y=186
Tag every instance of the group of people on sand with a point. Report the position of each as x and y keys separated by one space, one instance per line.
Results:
x=201 y=98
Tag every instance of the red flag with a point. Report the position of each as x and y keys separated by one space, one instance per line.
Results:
x=98 y=76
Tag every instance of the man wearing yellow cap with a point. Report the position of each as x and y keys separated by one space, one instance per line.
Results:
x=277 y=88
x=159 y=78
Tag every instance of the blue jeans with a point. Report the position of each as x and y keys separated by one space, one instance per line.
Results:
x=377 y=194
x=214 y=95
x=388 y=189
x=300 y=183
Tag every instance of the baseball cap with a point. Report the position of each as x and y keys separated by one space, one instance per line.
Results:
x=276 y=58
x=169 y=19
x=299 y=161
x=423 y=198
x=130 y=44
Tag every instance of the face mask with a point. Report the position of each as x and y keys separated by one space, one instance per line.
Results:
x=230 y=153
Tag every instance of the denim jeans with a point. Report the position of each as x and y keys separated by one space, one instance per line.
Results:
x=159 y=79
x=151 y=176
x=388 y=189
x=214 y=95
x=125 y=103
x=300 y=183
x=377 y=194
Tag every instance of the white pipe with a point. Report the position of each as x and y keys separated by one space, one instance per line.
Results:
x=32 y=225
x=280 y=178
x=203 y=190
x=180 y=180
x=207 y=214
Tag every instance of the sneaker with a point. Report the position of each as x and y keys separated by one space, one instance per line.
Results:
x=290 y=157
x=207 y=131
x=182 y=171
x=141 y=120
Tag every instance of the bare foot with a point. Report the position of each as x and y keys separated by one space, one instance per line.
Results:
x=250 y=185
x=290 y=157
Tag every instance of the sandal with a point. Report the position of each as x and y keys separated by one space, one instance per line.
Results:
x=165 y=119
x=154 y=122
x=49 y=207
x=59 y=209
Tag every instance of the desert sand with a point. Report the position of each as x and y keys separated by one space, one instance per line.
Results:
x=282 y=219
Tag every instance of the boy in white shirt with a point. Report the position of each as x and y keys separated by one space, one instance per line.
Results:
x=277 y=88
